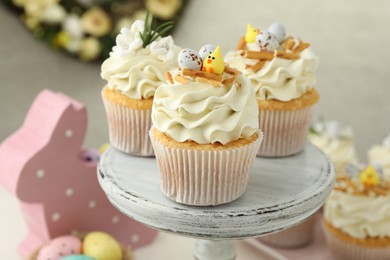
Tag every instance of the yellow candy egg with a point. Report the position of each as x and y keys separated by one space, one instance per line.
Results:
x=101 y=246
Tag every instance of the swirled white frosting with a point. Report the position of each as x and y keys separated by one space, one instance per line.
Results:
x=204 y=113
x=359 y=216
x=380 y=155
x=279 y=79
x=136 y=71
x=340 y=151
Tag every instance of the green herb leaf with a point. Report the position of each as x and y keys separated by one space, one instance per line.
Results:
x=152 y=31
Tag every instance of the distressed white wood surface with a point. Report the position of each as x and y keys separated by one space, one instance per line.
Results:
x=281 y=193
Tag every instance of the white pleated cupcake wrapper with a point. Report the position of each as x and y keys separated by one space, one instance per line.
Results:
x=129 y=129
x=297 y=236
x=203 y=177
x=285 y=132
x=343 y=250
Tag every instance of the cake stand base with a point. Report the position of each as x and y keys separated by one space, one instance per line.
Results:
x=214 y=250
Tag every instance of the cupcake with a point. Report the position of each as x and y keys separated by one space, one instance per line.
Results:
x=205 y=133
x=380 y=155
x=357 y=217
x=294 y=237
x=133 y=71
x=336 y=141
x=282 y=71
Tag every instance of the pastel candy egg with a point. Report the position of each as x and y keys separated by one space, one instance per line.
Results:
x=77 y=257
x=278 y=30
x=189 y=59
x=59 y=247
x=206 y=50
x=267 y=41
x=101 y=246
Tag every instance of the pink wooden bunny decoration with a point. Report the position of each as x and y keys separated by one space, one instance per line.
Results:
x=41 y=164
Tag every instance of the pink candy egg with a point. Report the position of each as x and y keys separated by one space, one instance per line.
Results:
x=59 y=247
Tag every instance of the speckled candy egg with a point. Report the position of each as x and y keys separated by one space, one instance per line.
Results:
x=267 y=41
x=59 y=247
x=101 y=246
x=206 y=50
x=278 y=30
x=77 y=257
x=189 y=59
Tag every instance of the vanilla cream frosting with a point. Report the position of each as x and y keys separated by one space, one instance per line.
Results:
x=136 y=71
x=204 y=113
x=337 y=142
x=340 y=151
x=359 y=216
x=380 y=155
x=279 y=79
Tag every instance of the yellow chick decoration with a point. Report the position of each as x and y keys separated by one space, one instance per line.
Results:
x=369 y=176
x=251 y=34
x=214 y=62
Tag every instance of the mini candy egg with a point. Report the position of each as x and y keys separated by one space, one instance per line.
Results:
x=77 y=257
x=278 y=30
x=267 y=41
x=206 y=50
x=59 y=247
x=101 y=246
x=188 y=59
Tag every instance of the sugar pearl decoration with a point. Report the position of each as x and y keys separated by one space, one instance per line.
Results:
x=206 y=50
x=189 y=59
x=278 y=30
x=267 y=41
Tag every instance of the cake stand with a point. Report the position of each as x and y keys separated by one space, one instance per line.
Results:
x=281 y=193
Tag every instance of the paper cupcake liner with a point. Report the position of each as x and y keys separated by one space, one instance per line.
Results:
x=128 y=128
x=204 y=177
x=297 y=236
x=343 y=250
x=285 y=132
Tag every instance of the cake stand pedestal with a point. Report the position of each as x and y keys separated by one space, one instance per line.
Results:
x=281 y=193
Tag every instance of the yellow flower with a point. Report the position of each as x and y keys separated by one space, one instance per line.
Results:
x=61 y=39
x=96 y=22
x=164 y=9
x=31 y=22
x=54 y=14
x=89 y=49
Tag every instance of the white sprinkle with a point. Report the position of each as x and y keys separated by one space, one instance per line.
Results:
x=55 y=217
x=115 y=219
x=92 y=204
x=69 y=192
x=40 y=173
x=135 y=238
x=69 y=133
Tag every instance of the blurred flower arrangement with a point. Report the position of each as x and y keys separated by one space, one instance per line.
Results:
x=87 y=28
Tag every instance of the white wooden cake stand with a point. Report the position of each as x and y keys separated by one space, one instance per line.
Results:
x=282 y=192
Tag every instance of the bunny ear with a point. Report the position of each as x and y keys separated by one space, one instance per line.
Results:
x=59 y=125
x=45 y=125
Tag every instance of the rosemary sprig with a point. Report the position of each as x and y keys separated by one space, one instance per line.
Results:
x=151 y=32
